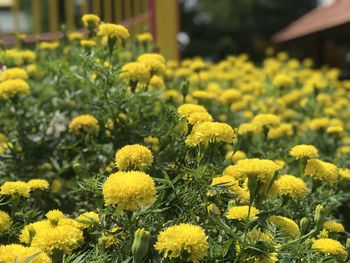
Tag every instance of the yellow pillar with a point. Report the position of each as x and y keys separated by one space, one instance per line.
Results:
x=138 y=11
x=15 y=13
x=85 y=7
x=96 y=7
x=107 y=11
x=69 y=11
x=128 y=13
x=53 y=15
x=36 y=14
x=118 y=12
x=167 y=23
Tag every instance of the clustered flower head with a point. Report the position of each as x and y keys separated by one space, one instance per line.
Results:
x=84 y=124
x=209 y=132
x=135 y=72
x=90 y=19
x=5 y=221
x=183 y=239
x=321 y=170
x=291 y=186
x=18 y=253
x=88 y=219
x=266 y=120
x=133 y=157
x=285 y=224
x=242 y=212
x=13 y=73
x=40 y=184
x=155 y=63
x=17 y=188
x=13 y=87
x=304 y=151
x=114 y=31
x=330 y=246
x=129 y=190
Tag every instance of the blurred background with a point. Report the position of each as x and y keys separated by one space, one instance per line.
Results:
x=319 y=29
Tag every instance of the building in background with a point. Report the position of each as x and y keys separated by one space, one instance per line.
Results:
x=46 y=16
x=323 y=34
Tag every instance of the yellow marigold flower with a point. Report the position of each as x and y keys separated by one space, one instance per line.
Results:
x=32 y=229
x=129 y=190
x=344 y=174
x=84 y=124
x=343 y=150
x=209 y=132
x=319 y=123
x=54 y=216
x=135 y=72
x=49 y=45
x=154 y=63
x=282 y=81
x=185 y=110
x=15 y=188
x=75 y=36
x=5 y=221
x=286 y=225
x=238 y=155
x=330 y=247
x=38 y=184
x=333 y=226
x=63 y=238
x=232 y=171
x=13 y=73
x=284 y=129
x=304 y=151
x=291 y=186
x=90 y=19
x=88 y=43
x=69 y=222
x=266 y=120
x=248 y=128
x=144 y=37
x=156 y=82
x=335 y=130
x=230 y=95
x=113 y=31
x=13 y=87
x=88 y=219
x=241 y=212
x=133 y=156
x=322 y=170
x=18 y=253
x=153 y=142
x=174 y=240
x=260 y=168
x=199 y=117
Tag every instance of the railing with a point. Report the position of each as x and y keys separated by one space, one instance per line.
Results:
x=158 y=16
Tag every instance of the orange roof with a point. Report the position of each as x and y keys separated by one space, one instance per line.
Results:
x=318 y=19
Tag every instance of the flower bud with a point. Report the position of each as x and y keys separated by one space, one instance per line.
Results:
x=304 y=223
x=319 y=217
x=185 y=86
x=140 y=245
x=76 y=167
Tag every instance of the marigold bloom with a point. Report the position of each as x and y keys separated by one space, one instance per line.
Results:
x=18 y=253
x=335 y=130
x=186 y=110
x=282 y=81
x=235 y=156
x=33 y=228
x=266 y=120
x=54 y=216
x=284 y=129
x=88 y=43
x=38 y=184
x=333 y=226
x=13 y=87
x=133 y=156
x=75 y=36
x=233 y=185
x=135 y=72
x=49 y=45
x=248 y=128
x=88 y=219
x=15 y=188
x=291 y=186
x=90 y=19
x=13 y=73
x=144 y=37
x=174 y=240
x=154 y=63
x=64 y=238
x=5 y=221
x=285 y=224
x=241 y=212
x=129 y=190
x=321 y=170
x=230 y=95
x=330 y=247
x=304 y=151
x=209 y=132
x=260 y=168
x=319 y=123
x=84 y=124
x=344 y=174
x=199 y=117
x=113 y=31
